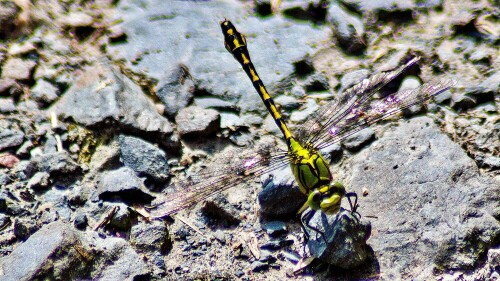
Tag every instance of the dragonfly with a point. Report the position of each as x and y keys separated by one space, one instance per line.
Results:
x=357 y=108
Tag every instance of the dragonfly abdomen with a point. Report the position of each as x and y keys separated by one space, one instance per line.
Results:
x=235 y=43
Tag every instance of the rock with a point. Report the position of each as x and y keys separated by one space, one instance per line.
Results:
x=76 y=19
x=39 y=181
x=23 y=228
x=217 y=73
x=56 y=164
x=461 y=102
x=196 y=121
x=48 y=254
x=122 y=184
x=18 y=69
x=9 y=12
x=25 y=169
x=8 y=160
x=347 y=27
x=346 y=235
x=102 y=94
x=7 y=105
x=278 y=189
x=105 y=157
x=150 y=237
x=176 y=91
x=360 y=139
x=121 y=219
x=214 y=103
x=258 y=266
x=122 y=262
x=80 y=221
x=144 y=158
x=10 y=139
x=309 y=108
x=352 y=78
x=274 y=228
x=434 y=210
x=287 y=103
x=44 y=92
x=390 y=5
x=316 y=83
x=6 y=84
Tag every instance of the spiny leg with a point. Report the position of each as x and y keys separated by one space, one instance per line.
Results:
x=304 y=221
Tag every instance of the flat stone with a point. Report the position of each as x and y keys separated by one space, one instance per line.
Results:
x=196 y=121
x=18 y=69
x=414 y=174
x=102 y=94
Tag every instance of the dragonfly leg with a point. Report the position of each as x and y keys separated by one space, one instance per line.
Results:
x=304 y=221
x=354 y=207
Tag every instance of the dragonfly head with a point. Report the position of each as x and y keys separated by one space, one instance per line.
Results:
x=327 y=198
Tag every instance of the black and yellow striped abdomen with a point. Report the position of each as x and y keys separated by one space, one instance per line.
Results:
x=236 y=44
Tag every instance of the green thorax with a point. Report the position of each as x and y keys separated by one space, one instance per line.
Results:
x=314 y=178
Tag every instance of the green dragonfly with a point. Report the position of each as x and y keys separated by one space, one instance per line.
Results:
x=356 y=109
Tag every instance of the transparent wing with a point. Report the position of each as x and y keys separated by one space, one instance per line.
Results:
x=357 y=108
x=228 y=171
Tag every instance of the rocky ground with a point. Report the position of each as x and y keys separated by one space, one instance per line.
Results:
x=106 y=104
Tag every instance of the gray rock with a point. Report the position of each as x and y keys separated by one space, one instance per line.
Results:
x=347 y=27
x=316 y=83
x=44 y=92
x=203 y=36
x=121 y=219
x=6 y=85
x=56 y=164
x=25 y=148
x=346 y=235
x=298 y=91
x=18 y=69
x=215 y=103
x=352 y=78
x=360 y=139
x=10 y=139
x=24 y=228
x=176 y=91
x=9 y=12
x=309 y=108
x=144 y=158
x=287 y=102
x=434 y=210
x=80 y=221
x=150 y=237
x=102 y=94
x=105 y=157
x=461 y=102
x=7 y=105
x=25 y=169
x=196 y=121
x=274 y=228
x=278 y=189
x=47 y=254
x=39 y=181
x=122 y=184
x=121 y=262
x=391 y=5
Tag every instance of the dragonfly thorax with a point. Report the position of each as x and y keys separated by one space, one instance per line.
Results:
x=314 y=178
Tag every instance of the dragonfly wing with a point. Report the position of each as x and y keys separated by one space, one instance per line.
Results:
x=242 y=166
x=369 y=113
x=354 y=96
x=357 y=108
